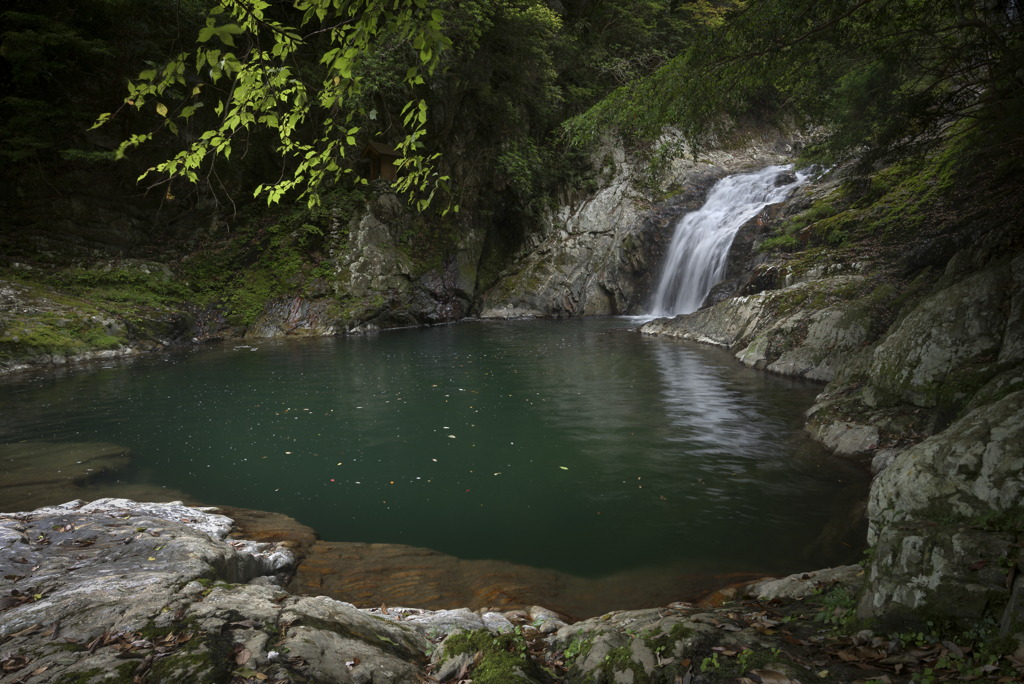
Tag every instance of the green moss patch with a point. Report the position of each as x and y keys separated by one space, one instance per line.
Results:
x=504 y=659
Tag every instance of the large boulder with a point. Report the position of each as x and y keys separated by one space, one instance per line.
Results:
x=945 y=520
x=974 y=469
x=950 y=576
x=782 y=330
x=947 y=346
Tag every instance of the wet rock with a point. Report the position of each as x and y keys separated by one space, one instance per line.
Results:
x=785 y=178
x=813 y=344
x=295 y=316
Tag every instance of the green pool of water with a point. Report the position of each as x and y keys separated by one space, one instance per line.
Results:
x=579 y=446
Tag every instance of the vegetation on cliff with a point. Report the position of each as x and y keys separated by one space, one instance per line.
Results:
x=887 y=79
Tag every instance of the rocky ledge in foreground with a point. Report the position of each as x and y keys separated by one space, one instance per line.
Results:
x=117 y=591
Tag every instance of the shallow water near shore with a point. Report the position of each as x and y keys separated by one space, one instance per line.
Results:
x=579 y=446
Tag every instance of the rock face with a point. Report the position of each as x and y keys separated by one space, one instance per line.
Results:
x=767 y=332
x=923 y=352
x=973 y=469
x=927 y=563
x=117 y=587
x=601 y=256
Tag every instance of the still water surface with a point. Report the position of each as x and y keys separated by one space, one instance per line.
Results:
x=573 y=445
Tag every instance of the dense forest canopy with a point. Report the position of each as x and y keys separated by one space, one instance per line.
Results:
x=296 y=87
x=887 y=78
x=509 y=93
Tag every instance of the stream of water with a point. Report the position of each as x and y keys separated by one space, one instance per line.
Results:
x=574 y=445
x=696 y=257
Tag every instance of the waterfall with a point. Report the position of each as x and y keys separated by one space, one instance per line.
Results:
x=696 y=257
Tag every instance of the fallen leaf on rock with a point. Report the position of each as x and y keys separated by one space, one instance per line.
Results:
x=39 y=671
x=243 y=656
x=29 y=630
x=13 y=663
x=977 y=566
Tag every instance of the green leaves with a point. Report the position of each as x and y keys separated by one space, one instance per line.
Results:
x=261 y=90
x=225 y=33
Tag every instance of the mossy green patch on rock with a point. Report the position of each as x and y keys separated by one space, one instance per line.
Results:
x=505 y=658
x=619 y=661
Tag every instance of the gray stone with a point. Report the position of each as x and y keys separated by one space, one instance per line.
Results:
x=496 y=622
x=848 y=439
x=804 y=584
x=806 y=343
x=453 y=666
x=114 y=567
x=953 y=328
x=975 y=467
x=883 y=459
x=922 y=572
x=443 y=622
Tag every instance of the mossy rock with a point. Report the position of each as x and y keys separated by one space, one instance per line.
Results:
x=493 y=658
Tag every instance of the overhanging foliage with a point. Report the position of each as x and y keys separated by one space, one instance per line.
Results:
x=247 y=66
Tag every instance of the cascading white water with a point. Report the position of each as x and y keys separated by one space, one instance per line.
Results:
x=696 y=257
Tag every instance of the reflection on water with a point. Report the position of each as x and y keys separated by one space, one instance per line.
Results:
x=572 y=445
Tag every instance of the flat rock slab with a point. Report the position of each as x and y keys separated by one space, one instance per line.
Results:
x=116 y=588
